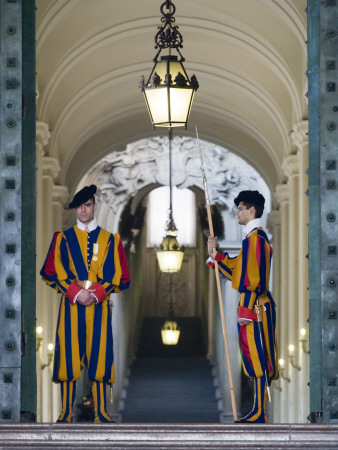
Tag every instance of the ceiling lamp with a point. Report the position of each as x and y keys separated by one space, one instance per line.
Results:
x=170 y=255
x=169 y=92
x=170 y=333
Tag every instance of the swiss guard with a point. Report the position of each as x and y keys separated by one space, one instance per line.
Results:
x=85 y=264
x=249 y=273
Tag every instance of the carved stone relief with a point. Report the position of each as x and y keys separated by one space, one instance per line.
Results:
x=121 y=176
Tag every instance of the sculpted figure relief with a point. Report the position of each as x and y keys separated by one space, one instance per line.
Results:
x=120 y=176
x=146 y=162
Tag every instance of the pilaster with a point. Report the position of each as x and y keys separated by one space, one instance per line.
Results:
x=291 y=169
x=282 y=196
x=300 y=140
x=50 y=205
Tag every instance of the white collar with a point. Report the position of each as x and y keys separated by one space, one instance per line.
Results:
x=251 y=225
x=91 y=226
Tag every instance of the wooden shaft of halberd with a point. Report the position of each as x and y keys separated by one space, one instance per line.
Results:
x=225 y=337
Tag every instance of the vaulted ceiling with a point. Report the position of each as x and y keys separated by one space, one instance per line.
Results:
x=249 y=57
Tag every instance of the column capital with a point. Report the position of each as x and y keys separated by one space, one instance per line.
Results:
x=299 y=136
x=274 y=218
x=50 y=167
x=42 y=136
x=290 y=165
x=282 y=193
x=60 y=194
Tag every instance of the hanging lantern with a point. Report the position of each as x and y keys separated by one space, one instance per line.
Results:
x=168 y=91
x=170 y=333
x=170 y=255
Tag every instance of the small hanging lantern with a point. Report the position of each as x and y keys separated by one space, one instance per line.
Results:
x=170 y=333
x=170 y=255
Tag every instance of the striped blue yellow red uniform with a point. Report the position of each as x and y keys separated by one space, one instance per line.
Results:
x=249 y=273
x=84 y=333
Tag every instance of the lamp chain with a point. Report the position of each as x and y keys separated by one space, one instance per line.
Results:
x=171 y=224
x=170 y=172
x=171 y=303
x=168 y=35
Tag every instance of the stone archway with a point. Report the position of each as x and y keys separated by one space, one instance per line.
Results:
x=143 y=165
x=124 y=179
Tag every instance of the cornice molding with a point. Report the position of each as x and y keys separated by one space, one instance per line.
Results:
x=274 y=219
x=42 y=135
x=60 y=194
x=282 y=193
x=290 y=165
x=298 y=135
x=50 y=167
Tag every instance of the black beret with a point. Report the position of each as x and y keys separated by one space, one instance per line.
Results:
x=250 y=197
x=82 y=196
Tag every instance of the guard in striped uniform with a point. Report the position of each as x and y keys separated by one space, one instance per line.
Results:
x=85 y=264
x=249 y=273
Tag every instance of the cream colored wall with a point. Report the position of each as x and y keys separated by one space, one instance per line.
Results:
x=50 y=200
x=248 y=55
x=250 y=59
x=288 y=225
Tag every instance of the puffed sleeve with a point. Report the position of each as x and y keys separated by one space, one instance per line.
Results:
x=56 y=269
x=48 y=271
x=255 y=274
x=225 y=264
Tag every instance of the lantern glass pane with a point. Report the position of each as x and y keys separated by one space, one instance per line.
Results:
x=158 y=104
x=180 y=101
x=170 y=261
x=174 y=68
x=170 y=337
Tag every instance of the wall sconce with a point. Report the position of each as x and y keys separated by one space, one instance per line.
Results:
x=281 y=370
x=50 y=355
x=39 y=331
x=303 y=340
x=292 y=356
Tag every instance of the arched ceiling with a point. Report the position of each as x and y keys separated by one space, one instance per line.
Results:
x=249 y=57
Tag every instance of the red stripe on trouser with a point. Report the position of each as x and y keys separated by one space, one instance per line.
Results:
x=253 y=356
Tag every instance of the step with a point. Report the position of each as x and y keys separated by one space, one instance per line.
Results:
x=171 y=436
x=169 y=390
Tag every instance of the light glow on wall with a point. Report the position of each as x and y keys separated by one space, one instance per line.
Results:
x=184 y=213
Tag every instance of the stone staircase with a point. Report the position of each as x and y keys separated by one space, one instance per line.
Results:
x=171 y=390
x=170 y=384
x=171 y=436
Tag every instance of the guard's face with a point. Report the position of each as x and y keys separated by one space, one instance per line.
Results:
x=85 y=212
x=243 y=214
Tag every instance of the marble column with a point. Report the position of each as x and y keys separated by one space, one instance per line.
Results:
x=293 y=399
x=299 y=139
x=280 y=408
x=50 y=201
x=291 y=169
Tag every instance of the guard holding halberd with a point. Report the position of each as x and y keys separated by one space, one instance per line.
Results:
x=249 y=273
